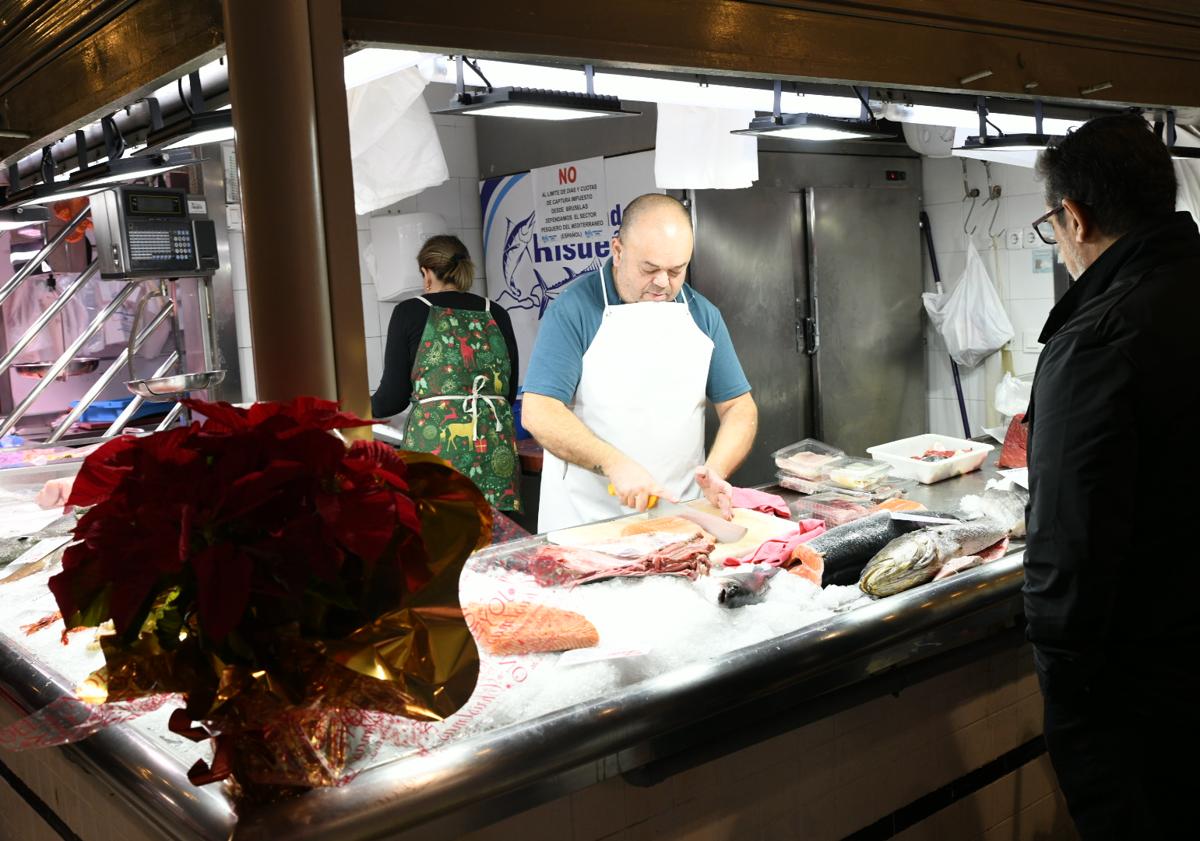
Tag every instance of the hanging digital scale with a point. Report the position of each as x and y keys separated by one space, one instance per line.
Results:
x=148 y=232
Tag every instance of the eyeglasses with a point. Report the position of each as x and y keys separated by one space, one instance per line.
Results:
x=1044 y=227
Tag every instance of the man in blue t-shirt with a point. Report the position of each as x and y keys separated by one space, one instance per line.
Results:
x=626 y=359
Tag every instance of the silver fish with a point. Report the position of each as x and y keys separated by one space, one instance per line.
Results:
x=917 y=557
x=738 y=589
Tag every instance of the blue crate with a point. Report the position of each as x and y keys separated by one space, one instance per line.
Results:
x=107 y=411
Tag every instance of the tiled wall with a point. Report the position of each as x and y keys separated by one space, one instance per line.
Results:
x=456 y=200
x=1027 y=295
x=828 y=779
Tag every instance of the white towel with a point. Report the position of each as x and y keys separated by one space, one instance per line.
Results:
x=394 y=146
x=695 y=150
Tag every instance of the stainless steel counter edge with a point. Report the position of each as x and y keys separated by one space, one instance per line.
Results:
x=404 y=794
x=151 y=783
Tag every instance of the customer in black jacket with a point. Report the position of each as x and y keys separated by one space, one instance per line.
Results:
x=1114 y=528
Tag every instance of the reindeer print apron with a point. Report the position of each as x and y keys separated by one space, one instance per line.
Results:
x=460 y=411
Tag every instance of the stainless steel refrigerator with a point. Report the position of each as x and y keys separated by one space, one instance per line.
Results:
x=817 y=271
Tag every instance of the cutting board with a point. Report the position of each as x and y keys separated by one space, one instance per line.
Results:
x=759 y=528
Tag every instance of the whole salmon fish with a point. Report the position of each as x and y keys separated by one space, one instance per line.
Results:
x=917 y=557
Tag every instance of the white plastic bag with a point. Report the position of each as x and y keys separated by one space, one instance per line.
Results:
x=33 y=297
x=971 y=318
x=1012 y=395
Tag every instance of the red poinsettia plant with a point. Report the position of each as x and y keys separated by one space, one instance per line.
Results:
x=258 y=504
x=258 y=565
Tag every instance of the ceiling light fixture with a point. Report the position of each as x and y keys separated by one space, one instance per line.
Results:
x=816 y=127
x=1013 y=149
x=1179 y=153
x=195 y=129
x=530 y=103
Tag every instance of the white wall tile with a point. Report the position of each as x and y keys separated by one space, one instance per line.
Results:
x=1016 y=180
x=385 y=318
x=473 y=239
x=241 y=311
x=363 y=223
x=443 y=199
x=1020 y=211
x=1024 y=363
x=370 y=304
x=374 y=361
x=459 y=150
x=1030 y=315
x=472 y=213
x=1025 y=284
x=941 y=181
x=946 y=224
x=941 y=381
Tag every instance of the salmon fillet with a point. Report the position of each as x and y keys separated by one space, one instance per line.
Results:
x=527 y=628
x=899 y=505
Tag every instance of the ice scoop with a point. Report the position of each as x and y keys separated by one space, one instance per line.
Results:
x=723 y=530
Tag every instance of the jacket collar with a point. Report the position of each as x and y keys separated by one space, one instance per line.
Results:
x=1133 y=254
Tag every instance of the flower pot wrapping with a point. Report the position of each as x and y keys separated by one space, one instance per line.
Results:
x=291 y=588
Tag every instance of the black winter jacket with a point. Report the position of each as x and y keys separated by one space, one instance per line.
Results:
x=1114 y=519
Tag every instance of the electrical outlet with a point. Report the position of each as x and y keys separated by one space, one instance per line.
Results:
x=1015 y=238
x=1032 y=240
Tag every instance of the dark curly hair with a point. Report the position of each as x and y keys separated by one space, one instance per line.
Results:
x=1117 y=167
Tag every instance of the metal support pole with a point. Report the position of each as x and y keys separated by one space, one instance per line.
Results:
x=46 y=317
x=123 y=419
x=171 y=417
x=61 y=363
x=29 y=268
x=289 y=108
x=117 y=365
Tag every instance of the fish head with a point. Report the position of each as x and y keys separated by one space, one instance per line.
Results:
x=897 y=565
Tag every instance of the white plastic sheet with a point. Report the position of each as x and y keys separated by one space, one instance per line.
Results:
x=394 y=146
x=694 y=149
x=1012 y=395
x=971 y=318
x=1188 y=197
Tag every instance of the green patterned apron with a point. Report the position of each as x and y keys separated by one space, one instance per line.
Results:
x=459 y=408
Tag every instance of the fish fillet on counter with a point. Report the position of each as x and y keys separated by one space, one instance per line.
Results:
x=637 y=555
x=528 y=628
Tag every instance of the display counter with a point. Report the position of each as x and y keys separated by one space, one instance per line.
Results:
x=861 y=711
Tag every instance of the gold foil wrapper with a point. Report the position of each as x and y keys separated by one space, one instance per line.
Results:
x=299 y=723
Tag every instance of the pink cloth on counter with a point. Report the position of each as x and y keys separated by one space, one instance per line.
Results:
x=761 y=501
x=778 y=550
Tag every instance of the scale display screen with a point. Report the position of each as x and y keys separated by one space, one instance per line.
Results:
x=150 y=204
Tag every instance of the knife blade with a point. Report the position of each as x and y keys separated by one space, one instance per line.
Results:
x=723 y=530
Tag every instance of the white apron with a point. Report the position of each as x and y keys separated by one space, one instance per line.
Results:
x=642 y=390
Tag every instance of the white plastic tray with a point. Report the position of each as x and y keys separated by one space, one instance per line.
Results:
x=969 y=456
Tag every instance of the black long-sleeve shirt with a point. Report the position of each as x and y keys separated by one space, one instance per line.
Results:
x=404 y=337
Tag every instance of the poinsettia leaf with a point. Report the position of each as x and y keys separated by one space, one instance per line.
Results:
x=223 y=588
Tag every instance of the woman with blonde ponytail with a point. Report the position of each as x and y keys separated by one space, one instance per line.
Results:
x=452 y=355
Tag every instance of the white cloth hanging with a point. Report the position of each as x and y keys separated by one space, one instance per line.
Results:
x=1188 y=197
x=394 y=147
x=694 y=149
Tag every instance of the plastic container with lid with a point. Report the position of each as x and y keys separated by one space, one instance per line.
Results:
x=808 y=459
x=795 y=483
x=923 y=457
x=836 y=508
x=857 y=475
